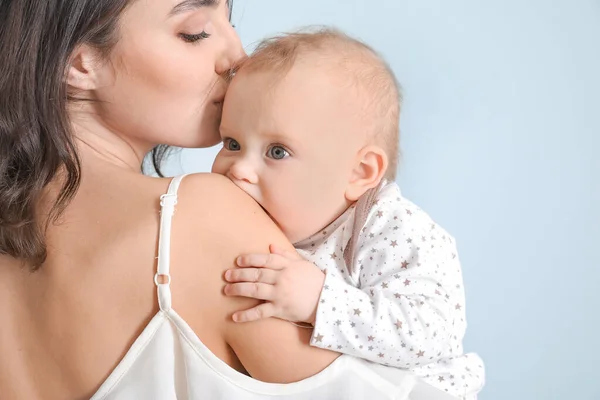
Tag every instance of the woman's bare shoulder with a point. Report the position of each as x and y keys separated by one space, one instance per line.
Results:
x=214 y=223
x=219 y=222
x=212 y=200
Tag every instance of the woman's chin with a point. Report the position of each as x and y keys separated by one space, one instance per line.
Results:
x=207 y=137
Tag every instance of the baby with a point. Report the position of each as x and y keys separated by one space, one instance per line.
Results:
x=310 y=130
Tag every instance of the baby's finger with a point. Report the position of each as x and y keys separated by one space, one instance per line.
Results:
x=264 y=310
x=275 y=249
x=260 y=291
x=263 y=275
x=273 y=261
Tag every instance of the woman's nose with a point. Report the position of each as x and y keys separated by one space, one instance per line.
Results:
x=243 y=171
x=233 y=52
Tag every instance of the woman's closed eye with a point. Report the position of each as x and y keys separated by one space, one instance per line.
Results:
x=231 y=144
x=193 y=38
x=277 y=152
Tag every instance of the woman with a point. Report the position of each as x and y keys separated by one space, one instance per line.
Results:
x=79 y=222
x=87 y=89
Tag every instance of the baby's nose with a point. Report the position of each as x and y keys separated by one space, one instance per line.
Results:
x=243 y=171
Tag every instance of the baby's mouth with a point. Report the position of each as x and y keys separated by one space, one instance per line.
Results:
x=266 y=212
x=269 y=214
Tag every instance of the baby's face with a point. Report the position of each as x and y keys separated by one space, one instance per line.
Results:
x=291 y=145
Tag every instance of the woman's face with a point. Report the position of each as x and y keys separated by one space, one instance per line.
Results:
x=165 y=80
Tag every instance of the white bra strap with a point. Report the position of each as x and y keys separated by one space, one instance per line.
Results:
x=167 y=209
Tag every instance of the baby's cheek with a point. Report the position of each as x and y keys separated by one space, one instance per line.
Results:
x=219 y=166
x=297 y=220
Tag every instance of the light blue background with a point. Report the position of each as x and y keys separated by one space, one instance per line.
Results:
x=501 y=135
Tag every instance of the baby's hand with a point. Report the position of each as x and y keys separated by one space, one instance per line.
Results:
x=290 y=285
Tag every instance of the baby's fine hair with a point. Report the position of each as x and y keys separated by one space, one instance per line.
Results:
x=377 y=88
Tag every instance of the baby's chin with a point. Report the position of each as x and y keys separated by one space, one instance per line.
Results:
x=297 y=235
x=293 y=235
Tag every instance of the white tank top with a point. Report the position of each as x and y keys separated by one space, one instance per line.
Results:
x=168 y=360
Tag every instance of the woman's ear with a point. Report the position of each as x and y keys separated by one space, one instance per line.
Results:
x=82 y=71
x=371 y=165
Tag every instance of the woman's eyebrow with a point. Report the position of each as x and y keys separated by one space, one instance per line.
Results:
x=189 y=5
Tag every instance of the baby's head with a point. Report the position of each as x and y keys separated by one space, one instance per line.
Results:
x=310 y=123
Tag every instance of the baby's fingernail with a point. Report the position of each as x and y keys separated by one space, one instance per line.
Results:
x=228 y=275
x=236 y=318
x=238 y=260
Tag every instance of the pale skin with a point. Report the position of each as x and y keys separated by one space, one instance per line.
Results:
x=302 y=152
x=66 y=327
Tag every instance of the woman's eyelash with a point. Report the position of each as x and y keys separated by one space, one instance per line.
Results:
x=191 y=38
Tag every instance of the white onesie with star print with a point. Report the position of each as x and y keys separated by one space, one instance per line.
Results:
x=393 y=292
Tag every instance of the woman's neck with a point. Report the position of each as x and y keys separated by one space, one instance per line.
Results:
x=96 y=140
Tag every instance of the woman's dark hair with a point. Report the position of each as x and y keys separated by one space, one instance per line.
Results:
x=37 y=38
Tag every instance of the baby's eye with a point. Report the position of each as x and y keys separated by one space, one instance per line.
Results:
x=231 y=145
x=277 y=153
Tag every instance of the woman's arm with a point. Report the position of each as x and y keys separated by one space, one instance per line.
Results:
x=220 y=223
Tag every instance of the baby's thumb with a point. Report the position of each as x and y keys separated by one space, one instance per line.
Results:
x=275 y=249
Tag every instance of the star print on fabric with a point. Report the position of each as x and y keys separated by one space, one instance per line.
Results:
x=403 y=257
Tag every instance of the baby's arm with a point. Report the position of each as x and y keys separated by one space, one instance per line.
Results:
x=409 y=297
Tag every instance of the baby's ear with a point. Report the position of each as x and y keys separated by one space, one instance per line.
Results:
x=369 y=169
